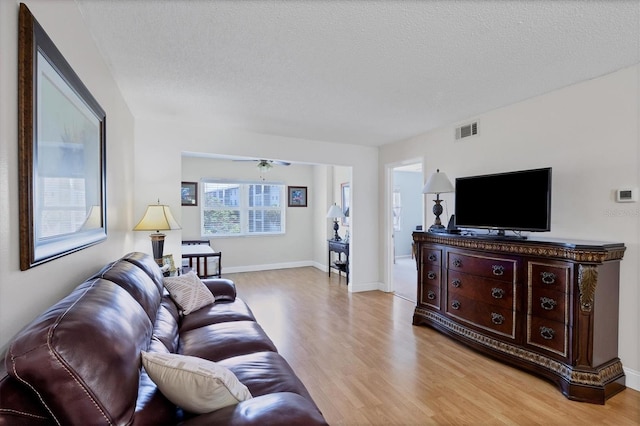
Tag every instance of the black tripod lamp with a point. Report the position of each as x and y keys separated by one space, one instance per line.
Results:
x=438 y=183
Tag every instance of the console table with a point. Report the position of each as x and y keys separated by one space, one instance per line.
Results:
x=546 y=306
x=340 y=247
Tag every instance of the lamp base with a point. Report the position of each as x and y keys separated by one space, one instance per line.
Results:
x=336 y=237
x=438 y=229
x=157 y=244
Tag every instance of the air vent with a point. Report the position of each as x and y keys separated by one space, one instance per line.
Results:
x=467 y=130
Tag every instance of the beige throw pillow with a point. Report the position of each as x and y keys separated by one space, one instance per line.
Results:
x=189 y=292
x=194 y=384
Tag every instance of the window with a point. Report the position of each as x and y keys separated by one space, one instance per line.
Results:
x=241 y=208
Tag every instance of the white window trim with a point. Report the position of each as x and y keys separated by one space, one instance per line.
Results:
x=244 y=208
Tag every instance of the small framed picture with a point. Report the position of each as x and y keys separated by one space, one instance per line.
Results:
x=189 y=193
x=167 y=259
x=297 y=196
x=346 y=202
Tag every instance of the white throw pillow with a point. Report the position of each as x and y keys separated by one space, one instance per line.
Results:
x=194 y=384
x=189 y=292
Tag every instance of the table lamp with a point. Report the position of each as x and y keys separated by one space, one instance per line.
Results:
x=438 y=183
x=157 y=218
x=335 y=213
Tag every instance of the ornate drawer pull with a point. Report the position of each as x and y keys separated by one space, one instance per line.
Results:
x=497 y=318
x=497 y=293
x=431 y=295
x=457 y=263
x=455 y=304
x=456 y=283
x=547 y=303
x=548 y=277
x=431 y=275
x=432 y=257
x=497 y=269
x=547 y=333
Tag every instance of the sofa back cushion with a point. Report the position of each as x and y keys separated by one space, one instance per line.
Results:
x=82 y=356
x=148 y=265
x=135 y=281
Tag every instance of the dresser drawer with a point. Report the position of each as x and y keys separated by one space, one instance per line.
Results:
x=493 y=292
x=548 y=304
x=431 y=256
x=484 y=266
x=548 y=335
x=430 y=295
x=488 y=317
x=549 y=276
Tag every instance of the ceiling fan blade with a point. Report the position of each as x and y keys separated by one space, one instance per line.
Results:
x=260 y=161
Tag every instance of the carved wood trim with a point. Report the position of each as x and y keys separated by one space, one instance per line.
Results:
x=598 y=377
x=587 y=283
x=530 y=248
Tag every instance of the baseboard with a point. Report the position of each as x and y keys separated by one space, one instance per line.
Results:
x=356 y=288
x=266 y=267
x=632 y=379
x=324 y=268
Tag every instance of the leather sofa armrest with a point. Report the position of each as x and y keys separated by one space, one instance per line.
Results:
x=222 y=289
x=281 y=408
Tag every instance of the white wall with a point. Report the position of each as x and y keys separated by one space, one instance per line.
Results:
x=23 y=295
x=589 y=134
x=159 y=147
x=269 y=251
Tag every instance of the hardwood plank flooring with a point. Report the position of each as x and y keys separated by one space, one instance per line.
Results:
x=365 y=363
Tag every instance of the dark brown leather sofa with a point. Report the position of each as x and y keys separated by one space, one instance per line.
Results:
x=80 y=361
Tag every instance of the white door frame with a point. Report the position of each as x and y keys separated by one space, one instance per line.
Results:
x=388 y=217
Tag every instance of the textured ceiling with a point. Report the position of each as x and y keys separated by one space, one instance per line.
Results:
x=361 y=72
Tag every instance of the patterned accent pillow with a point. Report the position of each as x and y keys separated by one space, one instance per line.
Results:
x=189 y=292
x=195 y=384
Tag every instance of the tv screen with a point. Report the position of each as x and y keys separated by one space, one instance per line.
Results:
x=518 y=201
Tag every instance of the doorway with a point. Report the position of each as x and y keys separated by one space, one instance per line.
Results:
x=407 y=215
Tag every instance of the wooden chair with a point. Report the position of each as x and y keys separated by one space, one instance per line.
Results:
x=201 y=252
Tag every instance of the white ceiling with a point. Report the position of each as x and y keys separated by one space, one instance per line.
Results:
x=361 y=72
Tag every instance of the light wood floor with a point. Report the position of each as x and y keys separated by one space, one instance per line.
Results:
x=364 y=363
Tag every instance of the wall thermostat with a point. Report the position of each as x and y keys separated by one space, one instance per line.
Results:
x=627 y=195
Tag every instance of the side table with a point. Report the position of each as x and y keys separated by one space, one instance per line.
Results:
x=340 y=247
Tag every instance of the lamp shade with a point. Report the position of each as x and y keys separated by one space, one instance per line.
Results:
x=158 y=217
x=335 y=212
x=437 y=183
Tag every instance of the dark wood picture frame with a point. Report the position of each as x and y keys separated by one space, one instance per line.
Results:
x=297 y=196
x=189 y=193
x=61 y=152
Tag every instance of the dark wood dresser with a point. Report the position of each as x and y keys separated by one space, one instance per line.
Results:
x=547 y=306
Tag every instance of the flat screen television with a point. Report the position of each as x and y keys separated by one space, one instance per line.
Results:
x=514 y=201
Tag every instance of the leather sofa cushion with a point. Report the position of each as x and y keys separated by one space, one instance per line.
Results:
x=166 y=326
x=17 y=404
x=136 y=282
x=148 y=265
x=72 y=357
x=219 y=341
x=217 y=313
x=274 y=409
x=152 y=407
x=222 y=288
x=265 y=373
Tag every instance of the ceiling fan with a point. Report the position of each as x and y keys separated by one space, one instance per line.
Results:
x=265 y=165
